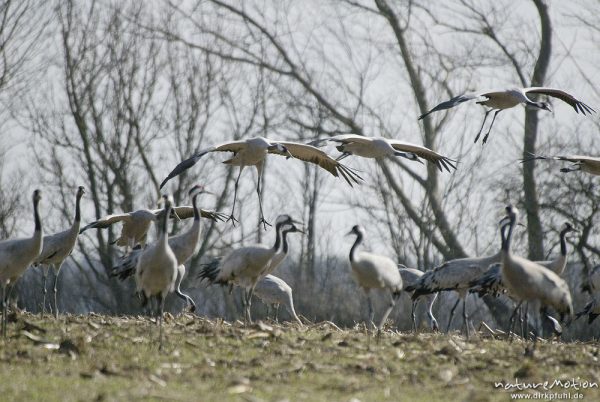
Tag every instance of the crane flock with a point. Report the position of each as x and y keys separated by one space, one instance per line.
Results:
x=159 y=267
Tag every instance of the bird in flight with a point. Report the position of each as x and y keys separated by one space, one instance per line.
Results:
x=253 y=151
x=501 y=99
x=588 y=164
x=379 y=147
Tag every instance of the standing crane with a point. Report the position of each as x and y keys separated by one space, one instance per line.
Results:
x=410 y=277
x=57 y=247
x=372 y=271
x=379 y=147
x=454 y=275
x=502 y=99
x=245 y=266
x=491 y=280
x=253 y=151
x=18 y=254
x=156 y=271
x=528 y=281
x=184 y=246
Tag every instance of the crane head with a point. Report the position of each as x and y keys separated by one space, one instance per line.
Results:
x=293 y=229
x=545 y=106
x=80 y=191
x=280 y=149
x=356 y=230
x=37 y=196
x=568 y=227
x=167 y=200
x=285 y=219
x=198 y=189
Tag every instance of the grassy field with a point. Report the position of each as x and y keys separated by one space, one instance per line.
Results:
x=116 y=358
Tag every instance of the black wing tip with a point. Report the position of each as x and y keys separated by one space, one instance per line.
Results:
x=532 y=157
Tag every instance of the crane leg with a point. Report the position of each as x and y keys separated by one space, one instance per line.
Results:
x=466 y=316
x=4 y=308
x=235 y=190
x=386 y=314
x=490 y=129
x=370 y=306
x=258 y=192
x=161 y=309
x=277 y=313
x=413 y=315
x=250 y=294
x=482 y=124
x=45 y=270
x=55 y=290
x=526 y=320
x=452 y=314
x=512 y=320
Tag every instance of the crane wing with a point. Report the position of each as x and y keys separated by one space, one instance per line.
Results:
x=568 y=158
x=563 y=96
x=308 y=153
x=106 y=222
x=578 y=158
x=187 y=211
x=183 y=211
x=441 y=161
x=342 y=138
x=451 y=103
x=233 y=146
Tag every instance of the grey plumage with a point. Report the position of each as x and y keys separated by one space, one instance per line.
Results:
x=57 y=247
x=274 y=290
x=501 y=99
x=156 y=271
x=253 y=152
x=527 y=281
x=18 y=254
x=410 y=276
x=372 y=271
x=184 y=246
x=454 y=275
x=245 y=266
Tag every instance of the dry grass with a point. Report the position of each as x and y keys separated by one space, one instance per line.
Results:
x=116 y=358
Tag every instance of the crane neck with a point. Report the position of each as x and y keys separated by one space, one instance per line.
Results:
x=164 y=235
x=77 y=209
x=563 y=242
x=284 y=245
x=507 y=237
x=278 y=227
x=36 y=217
x=359 y=238
x=195 y=207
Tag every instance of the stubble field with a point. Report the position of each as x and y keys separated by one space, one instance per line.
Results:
x=108 y=358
